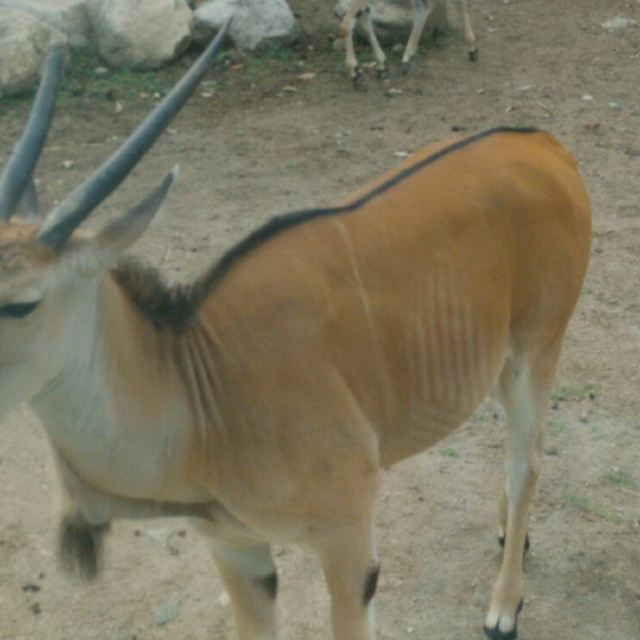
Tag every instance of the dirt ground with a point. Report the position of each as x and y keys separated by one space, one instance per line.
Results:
x=256 y=141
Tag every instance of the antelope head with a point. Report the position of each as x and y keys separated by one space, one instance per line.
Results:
x=49 y=270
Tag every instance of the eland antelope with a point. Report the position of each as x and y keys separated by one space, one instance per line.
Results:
x=264 y=400
x=360 y=11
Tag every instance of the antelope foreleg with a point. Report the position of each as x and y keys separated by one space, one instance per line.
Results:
x=351 y=570
x=250 y=577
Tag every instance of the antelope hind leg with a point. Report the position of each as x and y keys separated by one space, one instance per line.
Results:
x=525 y=386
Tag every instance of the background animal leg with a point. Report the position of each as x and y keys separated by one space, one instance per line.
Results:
x=421 y=11
x=463 y=8
x=367 y=22
x=348 y=25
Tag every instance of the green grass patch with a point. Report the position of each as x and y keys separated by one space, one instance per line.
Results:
x=449 y=452
x=87 y=75
x=597 y=433
x=578 y=391
x=483 y=415
x=18 y=102
x=556 y=427
x=621 y=478
x=588 y=507
x=271 y=58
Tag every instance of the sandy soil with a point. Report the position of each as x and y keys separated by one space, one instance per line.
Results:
x=265 y=142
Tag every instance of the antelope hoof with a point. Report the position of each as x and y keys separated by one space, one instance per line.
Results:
x=383 y=72
x=406 y=67
x=495 y=633
x=474 y=54
x=527 y=543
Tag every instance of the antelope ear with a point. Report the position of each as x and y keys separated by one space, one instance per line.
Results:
x=124 y=231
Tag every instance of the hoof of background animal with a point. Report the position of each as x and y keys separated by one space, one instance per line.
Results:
x=494 y=633
x=357 y=79
x=406 y=67
x=474 y=54
x=383 y=72
x=527 y=543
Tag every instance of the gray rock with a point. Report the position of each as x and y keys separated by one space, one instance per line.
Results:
x=144 y=34
x=24 y=44
x=67 y=16
x=255 y=22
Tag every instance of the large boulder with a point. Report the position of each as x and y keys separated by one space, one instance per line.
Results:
x=67 y=16
x=255 y=22
x=394 y=18
x=144 y=34
x=25 y=42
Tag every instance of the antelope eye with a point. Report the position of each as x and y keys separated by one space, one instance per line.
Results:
x=17 y=309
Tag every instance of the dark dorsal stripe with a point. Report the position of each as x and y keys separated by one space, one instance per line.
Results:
x=283 y=222
x=175 y=308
